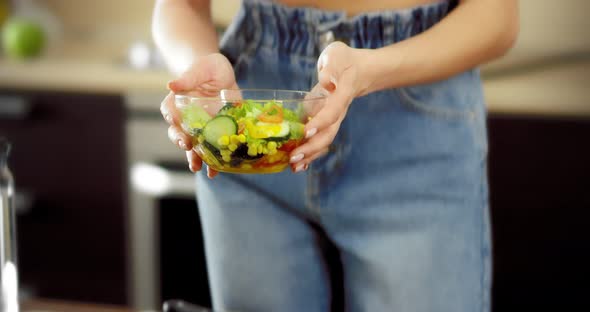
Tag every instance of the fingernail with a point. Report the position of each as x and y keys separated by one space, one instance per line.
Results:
x=333 y=80
x=332 y=85
x=305 y=167
x=182 y=144
x=311 y=133
x=170 y=84
x=297 y=158
x=168 y=118
x=299 y=168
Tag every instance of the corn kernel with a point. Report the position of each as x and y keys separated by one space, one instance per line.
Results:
x=223 y=141
x=260 y=149
x=272 y=145
x=233 y=139
x=242 y=138
x=264 y=150
x=232 y=147
x=272 y=151
x=225 y=152
x=226 y=158
x=247 y=166
x=252 y=152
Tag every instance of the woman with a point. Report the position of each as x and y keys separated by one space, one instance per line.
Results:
x=393 y=172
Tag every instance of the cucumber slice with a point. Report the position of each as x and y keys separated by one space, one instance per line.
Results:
x=218 y=127
x=194 y=118
x=225 y=109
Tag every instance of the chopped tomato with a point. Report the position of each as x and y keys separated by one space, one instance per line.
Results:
x=289 y=145
x=273 y=114
x=238 y=104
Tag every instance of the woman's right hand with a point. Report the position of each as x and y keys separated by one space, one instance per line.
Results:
x=205 y=77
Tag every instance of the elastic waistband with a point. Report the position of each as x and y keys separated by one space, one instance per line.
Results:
x=305 y=31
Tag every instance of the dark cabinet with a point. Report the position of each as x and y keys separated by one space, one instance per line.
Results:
x=539 y=171
x=69 y=160
x=183 y=271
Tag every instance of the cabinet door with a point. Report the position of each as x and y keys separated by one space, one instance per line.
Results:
x=540 y=202
x=69 y=158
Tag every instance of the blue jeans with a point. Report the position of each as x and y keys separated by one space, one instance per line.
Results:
x=402 y=195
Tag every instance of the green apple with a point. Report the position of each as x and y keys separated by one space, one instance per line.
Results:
x=22 y=38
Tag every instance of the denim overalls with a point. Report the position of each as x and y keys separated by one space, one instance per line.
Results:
x=402 y=193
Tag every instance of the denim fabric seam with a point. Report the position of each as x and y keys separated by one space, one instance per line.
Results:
x=313 y=191
x=481 y=130
x=407 y=101
x=485 y=244
x=250 y=47
x=292 y=56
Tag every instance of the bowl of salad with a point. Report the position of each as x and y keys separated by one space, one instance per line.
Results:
x=247 y=130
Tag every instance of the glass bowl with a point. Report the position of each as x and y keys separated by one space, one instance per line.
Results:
x=247 y=130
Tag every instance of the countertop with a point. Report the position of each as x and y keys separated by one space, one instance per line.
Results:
x=560 y=90
x=80 y=75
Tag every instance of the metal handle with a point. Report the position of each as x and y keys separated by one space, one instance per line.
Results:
x=14 y=107
x=182 y=306
x=155 y=180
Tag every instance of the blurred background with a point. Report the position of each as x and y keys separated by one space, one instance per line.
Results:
x=105 y=205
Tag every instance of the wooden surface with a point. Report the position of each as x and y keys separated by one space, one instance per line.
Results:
x=45 y=305
x=561 y=91
x=80 y=75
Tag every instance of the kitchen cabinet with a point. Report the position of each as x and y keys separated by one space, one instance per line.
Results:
x=69 y=160
x=540 y=204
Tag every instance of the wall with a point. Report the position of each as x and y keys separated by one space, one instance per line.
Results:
x=548 y=27
x=128 y=18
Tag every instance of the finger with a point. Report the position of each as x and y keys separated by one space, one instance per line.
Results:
x=210 y=73
x=303 y=165
x=331 y=55
x=169 y=111
x=331 y=64
x=334 y=108
x=199 y=74
x=327 y=80
x=314 y=102
x=194 y=161
x=178 y=137
x=316 y=144
x=211 y=173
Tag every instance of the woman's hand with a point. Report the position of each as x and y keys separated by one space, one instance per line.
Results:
x=205 y=77
x=340 y=73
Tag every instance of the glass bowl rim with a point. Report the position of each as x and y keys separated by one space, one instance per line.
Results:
x=315 y=95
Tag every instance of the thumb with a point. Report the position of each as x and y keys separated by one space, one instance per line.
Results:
x=208 y=74
x=331 y=63
x=188 y=81
x=328 y=79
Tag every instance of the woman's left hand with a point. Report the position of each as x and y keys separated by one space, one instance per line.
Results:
x=340 y=73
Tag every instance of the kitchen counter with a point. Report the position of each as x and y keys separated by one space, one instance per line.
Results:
x=557 y=91
x=80 y=75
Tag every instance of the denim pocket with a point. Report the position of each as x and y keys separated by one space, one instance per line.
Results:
x=457 y=97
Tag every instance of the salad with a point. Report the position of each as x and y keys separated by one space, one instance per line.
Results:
x=246 y=136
